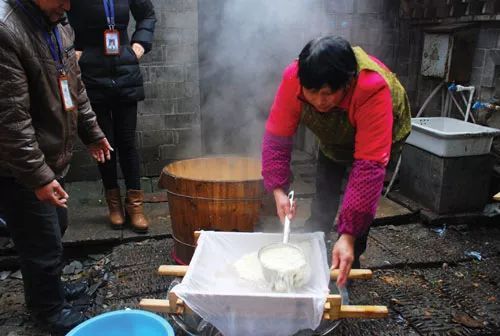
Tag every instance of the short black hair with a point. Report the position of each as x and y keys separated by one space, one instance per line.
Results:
x=327 y=60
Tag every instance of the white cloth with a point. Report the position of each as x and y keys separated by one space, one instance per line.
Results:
x=213 y=289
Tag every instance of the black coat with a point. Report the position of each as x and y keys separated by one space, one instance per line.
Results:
x=111 y=77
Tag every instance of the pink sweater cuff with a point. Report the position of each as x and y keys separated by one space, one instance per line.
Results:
x=363 y=190
x=276 y=156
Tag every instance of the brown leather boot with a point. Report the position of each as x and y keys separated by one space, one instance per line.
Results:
x=115 y=207
x=135 y=210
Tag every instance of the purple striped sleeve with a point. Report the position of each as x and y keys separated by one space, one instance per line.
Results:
x=363 y=190
x=276 y=156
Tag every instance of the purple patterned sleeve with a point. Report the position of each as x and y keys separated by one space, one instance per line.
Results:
x=276 y=156
x=363 y=190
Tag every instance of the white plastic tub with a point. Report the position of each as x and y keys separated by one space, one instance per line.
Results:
x=448 y=137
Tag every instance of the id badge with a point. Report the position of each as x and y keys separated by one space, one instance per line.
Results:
x=111 y=42
x=66 y=94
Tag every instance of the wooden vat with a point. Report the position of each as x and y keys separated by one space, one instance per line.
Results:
x=211 y=193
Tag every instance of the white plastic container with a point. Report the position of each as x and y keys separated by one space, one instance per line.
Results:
x=448 y=137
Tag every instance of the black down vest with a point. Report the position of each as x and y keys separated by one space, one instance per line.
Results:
x=111 y=77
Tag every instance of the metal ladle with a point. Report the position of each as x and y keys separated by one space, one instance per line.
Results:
x=293 y=278
x=286 y=228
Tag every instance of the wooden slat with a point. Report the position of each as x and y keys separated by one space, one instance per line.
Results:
x=354 y=274
x=154 y=305
x=371 y=312
x=180 y=271
x=174 y=301
x=173 y=270
x=365 y=312
x=333 y=309
x=332 y=306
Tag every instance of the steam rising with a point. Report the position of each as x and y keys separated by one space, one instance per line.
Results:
x=244 y=47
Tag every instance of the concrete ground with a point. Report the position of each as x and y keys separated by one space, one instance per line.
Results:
x=440 y=280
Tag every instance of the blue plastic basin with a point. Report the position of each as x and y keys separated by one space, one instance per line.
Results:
x=124 y=323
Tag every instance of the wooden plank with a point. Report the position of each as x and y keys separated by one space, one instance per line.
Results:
x=370 y=312
x=180 y=271
x=175 y=303
x=155 y=305
x=173 y=270
x=332 y=306
x=365 y=312
x=354 y=274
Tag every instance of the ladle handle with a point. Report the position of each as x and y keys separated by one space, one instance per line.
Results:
x=286 y=229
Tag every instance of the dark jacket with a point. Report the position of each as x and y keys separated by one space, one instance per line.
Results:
x=111 y=77
x=36 y=133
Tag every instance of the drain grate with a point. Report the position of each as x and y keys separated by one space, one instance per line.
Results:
x=437 y=301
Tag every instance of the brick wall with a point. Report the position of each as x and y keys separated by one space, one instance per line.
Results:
x=486 y=61
x=416 y=17
x=371 y=24
x=170 y=122
x=169 y=119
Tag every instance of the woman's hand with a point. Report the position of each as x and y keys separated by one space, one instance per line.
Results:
x=78 y=55
x=100 y=150
x=52 y=193
x=138 y=50
x=342 y=257
x=283 y=207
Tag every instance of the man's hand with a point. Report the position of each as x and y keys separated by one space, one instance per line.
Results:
x=283 y=207
x=138 y=50
x=52 y=193
x=342 y=257
x=101 y=150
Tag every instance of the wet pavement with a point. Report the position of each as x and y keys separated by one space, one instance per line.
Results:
x=436 y=280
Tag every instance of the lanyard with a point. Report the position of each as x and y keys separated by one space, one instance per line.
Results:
x=109 y=8
x=54 y=51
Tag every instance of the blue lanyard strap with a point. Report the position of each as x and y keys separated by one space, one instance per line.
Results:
x=54 y=51
x=109 y=8
x=56 y=54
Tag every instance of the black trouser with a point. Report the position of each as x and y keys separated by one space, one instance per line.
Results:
x=118 y=120
x=325 y=204
x=36 y=229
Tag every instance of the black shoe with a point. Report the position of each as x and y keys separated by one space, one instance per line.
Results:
x=62 y=321
x=74 y=290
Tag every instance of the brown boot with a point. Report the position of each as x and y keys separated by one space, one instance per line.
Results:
x=135 y=211
x=115 y=207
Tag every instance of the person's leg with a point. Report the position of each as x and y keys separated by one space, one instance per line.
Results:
x=34 y=228
x=36 y=231
x=125 y=123
x=108 y=169
x=324 y=207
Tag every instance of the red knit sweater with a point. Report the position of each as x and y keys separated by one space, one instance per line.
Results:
x=369 y=108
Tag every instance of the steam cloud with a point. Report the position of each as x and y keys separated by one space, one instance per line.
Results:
x=244 y=47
